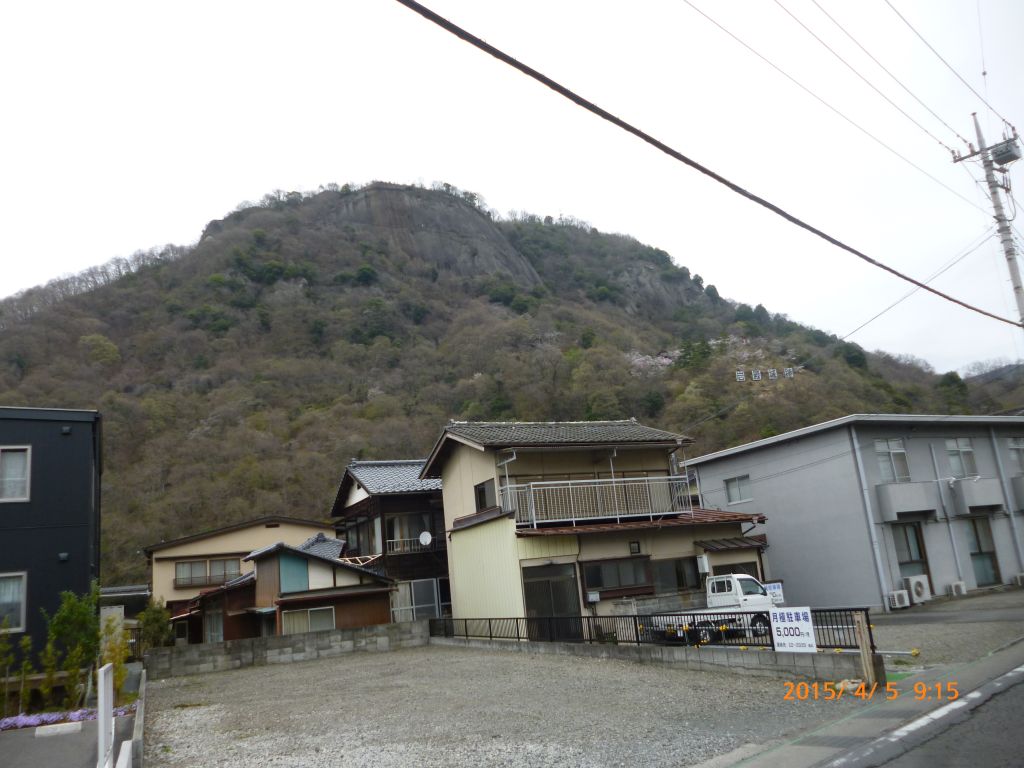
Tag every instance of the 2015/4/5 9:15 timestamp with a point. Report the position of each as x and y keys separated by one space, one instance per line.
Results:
x=832 y=692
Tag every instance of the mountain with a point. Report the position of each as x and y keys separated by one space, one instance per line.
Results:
x=238 y=377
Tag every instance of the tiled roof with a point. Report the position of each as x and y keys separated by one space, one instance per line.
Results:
x=682 y=520
x=323 y=546
x=392 y=476
x=734 y=542
x=551 y=433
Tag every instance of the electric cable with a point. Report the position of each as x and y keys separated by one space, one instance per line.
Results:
x=948 y=65
x=890 y=74
x=949 y=265
x=845 y=117
x=867 y=82
x=675 y=154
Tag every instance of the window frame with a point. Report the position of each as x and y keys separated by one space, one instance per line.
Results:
x=1016 y=448
x=484 y=492
x=28 y=474
x=742 y=485
x=886 y=464
x=961 y=452
x=23 y=620
x=618 y=590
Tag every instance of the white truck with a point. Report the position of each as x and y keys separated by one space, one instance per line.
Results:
x=737 y=606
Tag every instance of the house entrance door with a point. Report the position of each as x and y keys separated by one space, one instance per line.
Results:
x=552 y=603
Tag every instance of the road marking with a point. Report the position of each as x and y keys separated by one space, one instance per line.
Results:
x=57 y=730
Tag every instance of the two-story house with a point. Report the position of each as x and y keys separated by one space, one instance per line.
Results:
x=180 y=568
x=50 y=469
x=571 y=518
x=870 y=505
x=393 y=520
x=291 y=589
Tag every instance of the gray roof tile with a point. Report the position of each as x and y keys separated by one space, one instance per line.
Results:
x=527 y=433
x=392 y=476
x=323 y=546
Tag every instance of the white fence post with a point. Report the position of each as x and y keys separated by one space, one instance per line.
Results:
x=105 y=716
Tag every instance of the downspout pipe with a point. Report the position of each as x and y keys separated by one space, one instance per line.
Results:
x=945 y=515
x=1004 y=485
x=869 y=517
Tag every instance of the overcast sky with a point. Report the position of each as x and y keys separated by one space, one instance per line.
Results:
x=129 y=125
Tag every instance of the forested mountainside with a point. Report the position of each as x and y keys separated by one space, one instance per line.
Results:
x=238 y=377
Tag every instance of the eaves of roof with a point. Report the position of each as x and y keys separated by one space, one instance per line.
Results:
x=697 y=517
x=236 y=527
x=857 y=418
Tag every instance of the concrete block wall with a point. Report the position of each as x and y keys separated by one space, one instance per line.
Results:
x=825 y=666
x=282 y=649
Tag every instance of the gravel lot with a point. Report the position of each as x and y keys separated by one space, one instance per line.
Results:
x=952 y=631
x=443 y=706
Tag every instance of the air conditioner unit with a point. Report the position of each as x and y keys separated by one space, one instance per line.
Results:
x=956 y=589
x=1019 y=579
x=918 y=588
x=899 y=599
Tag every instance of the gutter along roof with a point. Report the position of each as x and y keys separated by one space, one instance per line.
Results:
x=536 y=435
x=679 y=520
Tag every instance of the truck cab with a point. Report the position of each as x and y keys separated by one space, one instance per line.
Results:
x=739 y=592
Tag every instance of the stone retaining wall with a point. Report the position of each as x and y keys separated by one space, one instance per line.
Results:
x=786 y=666
x=282 y=649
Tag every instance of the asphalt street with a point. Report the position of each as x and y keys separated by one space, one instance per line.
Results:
x=990 y=737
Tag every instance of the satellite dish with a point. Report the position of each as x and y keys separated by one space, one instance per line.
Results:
x=426 y=538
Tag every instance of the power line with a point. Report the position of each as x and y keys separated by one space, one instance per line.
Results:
x=871 y=85
x=948 y=65
x=956 y=260
x=818 y=98
x=890 y=74
x=675 y=154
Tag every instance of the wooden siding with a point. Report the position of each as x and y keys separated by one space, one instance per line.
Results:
x=268 y=581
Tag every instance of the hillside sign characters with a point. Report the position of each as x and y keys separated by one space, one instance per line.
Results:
x=793 y=630
x=772 y=374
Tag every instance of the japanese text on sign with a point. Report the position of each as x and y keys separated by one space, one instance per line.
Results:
x=793 y=630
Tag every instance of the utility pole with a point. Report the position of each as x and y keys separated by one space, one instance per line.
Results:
x=1008 y=150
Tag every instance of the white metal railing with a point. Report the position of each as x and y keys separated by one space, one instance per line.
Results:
x=571 y=501
x=405 y=546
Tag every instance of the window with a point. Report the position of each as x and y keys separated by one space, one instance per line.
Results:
x=1017 y=451
x=12 y=600
x=675 y=575
x=223 y=570
x=618 y=574
x=214 y=625
x=307 y=620
x=910 y=549
x=14 y=473
x=190 y=574
x=892 y=460
x=420 y=599
x=983 y=551
x=961 y=456
x=738 y=489
x=485 y=498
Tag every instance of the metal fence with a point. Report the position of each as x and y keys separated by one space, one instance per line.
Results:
x=569 y=501
x=833 y=628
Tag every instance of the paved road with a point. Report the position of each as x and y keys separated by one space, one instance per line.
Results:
x=989 y=737
x=1005 y=605
x=22 y=749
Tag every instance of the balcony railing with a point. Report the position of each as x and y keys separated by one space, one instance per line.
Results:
x=204 y=580
x=573 y=501
x=406 y=546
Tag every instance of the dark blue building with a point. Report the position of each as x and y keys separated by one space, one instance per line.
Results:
x=50 y=468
